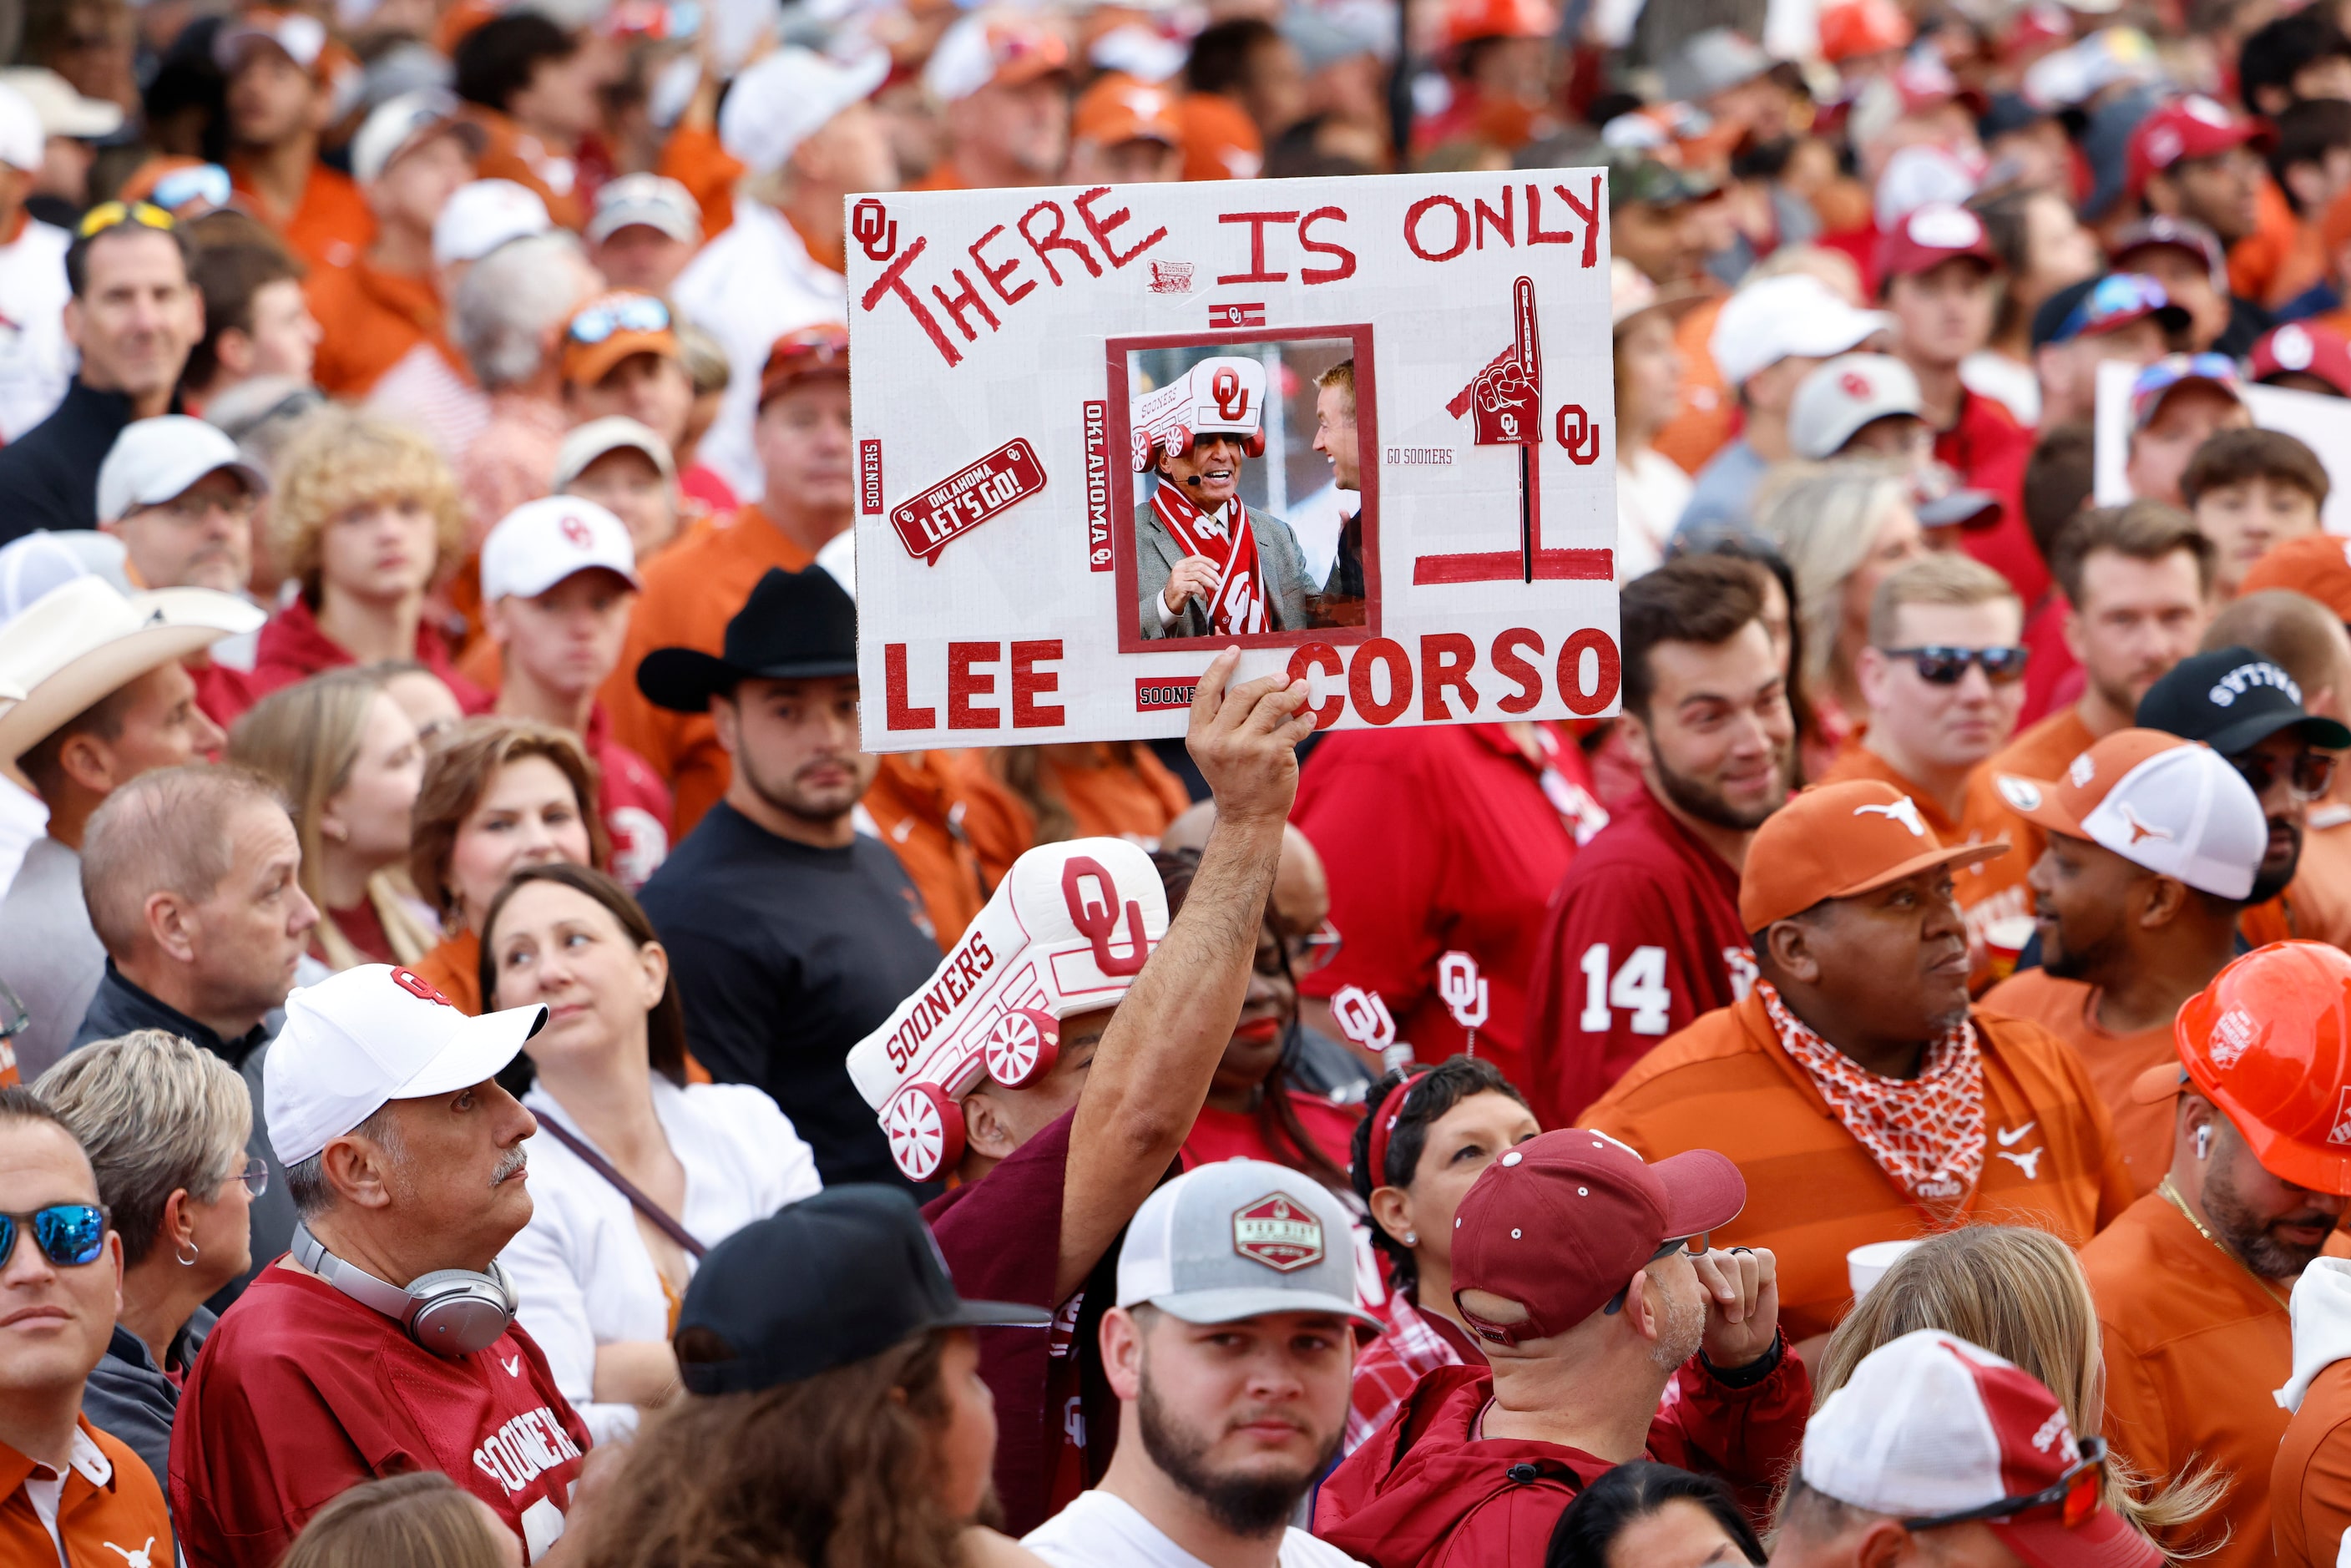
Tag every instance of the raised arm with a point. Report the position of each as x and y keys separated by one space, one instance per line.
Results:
x=1150 y=1075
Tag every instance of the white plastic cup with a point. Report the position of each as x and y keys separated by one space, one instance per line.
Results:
x=1864 y=1266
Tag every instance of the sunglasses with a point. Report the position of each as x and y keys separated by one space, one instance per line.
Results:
x=638 y=313
x=1942 y=666
x=206 y=182
x=2075 y=1496
x=2311 y=773
x=114 y=214
x=68 y=1234
x=1693 y=1246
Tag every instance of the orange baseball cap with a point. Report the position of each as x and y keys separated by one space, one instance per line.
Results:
x=818 y=350
x=2316 y=564
x=611 y=327
x=1466 y=21
x=2269 y=1041
x=2175 y=807
x=1119 y=109
x=1835 y=840
x=1220 y=140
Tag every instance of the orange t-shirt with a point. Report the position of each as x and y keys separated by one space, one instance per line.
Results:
x=694 y=158
x=369 y=319
x=2319 y=904
x=2043 y=751
x=111 y=1509
x=454 y=966
x=2068 y=1010
x=1709 y=409
x=927 y=805
x=2310 y=1485
x=511 y=152
x=1988 y=891
x=2194 y=1346
x=329 y=226
x=1115 y=795
x=691 y=590
x=2283 y=256
x=1814 y=1193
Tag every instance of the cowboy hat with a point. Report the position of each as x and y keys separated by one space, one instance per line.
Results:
x=84 y=640
x=797 y=626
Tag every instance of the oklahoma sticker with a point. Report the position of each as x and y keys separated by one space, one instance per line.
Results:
x=1279 y=1233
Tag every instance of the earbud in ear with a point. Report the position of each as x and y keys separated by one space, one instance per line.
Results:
x=2204 y=1143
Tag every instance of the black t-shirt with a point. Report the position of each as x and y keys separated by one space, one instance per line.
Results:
x=786 y=956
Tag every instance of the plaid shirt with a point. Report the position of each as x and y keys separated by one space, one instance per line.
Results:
x=1387 y=1369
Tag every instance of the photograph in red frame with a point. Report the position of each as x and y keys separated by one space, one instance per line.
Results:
x=1226 y=423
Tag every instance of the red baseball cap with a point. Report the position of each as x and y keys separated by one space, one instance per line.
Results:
x=2303 y=348
x=1837 y=840
x=1931 y=235
x=819 y=350
x=1561 y=1222
x=2191 y=127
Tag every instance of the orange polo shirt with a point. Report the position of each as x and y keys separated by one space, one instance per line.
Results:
x=1814 y=1194
x=369 y=319
x=2318 y=904
x=1709 y=405
x=2042 y=751
x=691 y=590
x=329 y=226
x=1987 y=891
x=511 y=152
x=936 y=808
x=2310 y=1485
x=454 y=967
x=2068 y=1010
x=694 y=158
x=109 y=1513
x=2194 y=1346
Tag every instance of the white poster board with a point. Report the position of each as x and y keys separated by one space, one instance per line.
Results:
x=2321 y=423
x=1005 y=343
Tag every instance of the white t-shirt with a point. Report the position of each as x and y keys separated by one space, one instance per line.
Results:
x=35 y=360
x=1651 y=491
x=1100 y=1531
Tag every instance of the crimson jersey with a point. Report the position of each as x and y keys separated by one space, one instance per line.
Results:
x=301 y=1392
x=634 y=803
x=1987 y=449
x=1643 y=936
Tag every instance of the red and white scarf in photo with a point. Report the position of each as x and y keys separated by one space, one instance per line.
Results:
x=1231 y=542
x=1926 y=1134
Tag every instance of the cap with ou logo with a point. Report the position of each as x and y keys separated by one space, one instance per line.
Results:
x=2303 y=348
x=361 y=1039
x=1241 y=1239
x=2232 y=700
x=1838 y=840
x=1561 y=1222
x=1840 y=397
x=2170 y=805
x=1930 y=1425
x=543 y=543
x=2182 y=131
x=1932 y=234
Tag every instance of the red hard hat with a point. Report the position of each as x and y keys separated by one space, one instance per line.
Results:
x=2269 y=1041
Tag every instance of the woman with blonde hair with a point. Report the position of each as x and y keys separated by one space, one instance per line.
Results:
x=1843 y=528
x=499 y=794
x=349 y=761
x=365 y=519
x=2019 y=1293
x=421 y=1519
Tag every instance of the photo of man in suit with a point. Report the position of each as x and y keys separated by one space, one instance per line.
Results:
x=1206 y=564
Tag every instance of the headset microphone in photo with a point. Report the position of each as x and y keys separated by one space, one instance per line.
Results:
x=450 y=1312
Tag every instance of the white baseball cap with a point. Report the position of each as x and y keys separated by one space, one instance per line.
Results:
x=787 y=98
x=22 y=144
x=2173 y=806
x=61 y=108
x=301 y=35
x=40 y=561
x=1007 y=46
x=1782 y=317
x=399 y=124
x=656 y=201
x=1241 y=1239
x=1840 y=397
x=155 y=459
x=541 y=542
x=583 y=444
x=371 y=1035
x=483 y=215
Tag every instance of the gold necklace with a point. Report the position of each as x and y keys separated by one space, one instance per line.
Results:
x=2172 y=1196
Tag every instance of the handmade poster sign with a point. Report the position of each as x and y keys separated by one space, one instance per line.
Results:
x=1364 y=428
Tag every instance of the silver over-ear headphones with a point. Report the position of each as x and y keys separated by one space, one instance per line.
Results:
x=450 y=1312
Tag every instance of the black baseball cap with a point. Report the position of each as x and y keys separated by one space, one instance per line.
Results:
x=821 y=1283
x=796 y=625
x=2232 y=700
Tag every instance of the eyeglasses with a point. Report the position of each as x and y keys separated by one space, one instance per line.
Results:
x=1314 y=950
x=1692 y=1246
x=114 y=214
x=1943 y=666
x=254 y=1174
x=2119 y=299
x=2311 y=773
x=2075 y=1496
x=68 y=1234
x=194 y=506
x=633 y=313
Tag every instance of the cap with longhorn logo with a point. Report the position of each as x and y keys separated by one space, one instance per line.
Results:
x=1835 y=840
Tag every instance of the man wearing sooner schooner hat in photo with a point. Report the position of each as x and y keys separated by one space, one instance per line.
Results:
x=1586 y=1273
x=791 y=934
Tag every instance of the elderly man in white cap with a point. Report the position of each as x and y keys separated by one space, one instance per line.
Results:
x=800 y=125
x=35 y=363
x=630 y=470
x=1002 y=79
x=644 y=229
x=106 y=700
x=385 y=1341
x=1207 y=565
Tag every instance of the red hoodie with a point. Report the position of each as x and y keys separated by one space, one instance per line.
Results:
x=1423 y=1493
x=292 y=648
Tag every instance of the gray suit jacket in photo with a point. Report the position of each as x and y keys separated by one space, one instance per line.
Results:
x=1156 y=554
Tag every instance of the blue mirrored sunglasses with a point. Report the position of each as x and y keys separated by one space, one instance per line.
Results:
x=641 y=313
x=68 y=1234
x=206 y=182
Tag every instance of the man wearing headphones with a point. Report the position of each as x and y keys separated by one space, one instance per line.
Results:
x=1205 y=564
x=385 y=1341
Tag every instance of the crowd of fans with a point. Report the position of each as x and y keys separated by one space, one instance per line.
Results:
x=492 y=1073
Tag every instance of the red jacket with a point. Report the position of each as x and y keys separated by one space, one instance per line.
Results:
x=292 y=648
x=1423 y=1493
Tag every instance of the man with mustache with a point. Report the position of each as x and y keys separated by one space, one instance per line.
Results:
x=2192 y=1281
x=1861 y=1096
x=385 y=1341
x=1230 y=1349
x=1644 y=933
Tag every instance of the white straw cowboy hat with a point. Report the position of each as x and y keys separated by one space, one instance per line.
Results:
x=85 y=639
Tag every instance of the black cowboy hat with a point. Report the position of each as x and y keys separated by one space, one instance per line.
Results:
x=797 y=626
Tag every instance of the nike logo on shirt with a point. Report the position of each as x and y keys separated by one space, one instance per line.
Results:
x=2008 y=1136
x=513 y=1364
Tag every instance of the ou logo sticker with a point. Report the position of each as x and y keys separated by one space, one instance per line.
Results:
x=421 y=989
x=1231 y=398
x=1097 y=922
